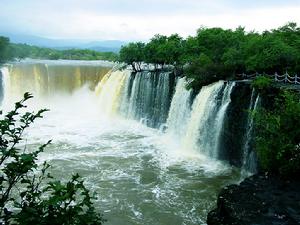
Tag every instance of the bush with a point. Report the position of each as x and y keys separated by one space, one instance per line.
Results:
x=202 y=71
x=278 y=135
x=29 y=194
x=262 y=82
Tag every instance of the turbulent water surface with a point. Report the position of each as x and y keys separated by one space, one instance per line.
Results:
x=141 y=175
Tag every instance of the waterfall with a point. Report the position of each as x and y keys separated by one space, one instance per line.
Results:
x=47 y=78
x=5 y=83
x=200 y=128
x=249 y=157
x=110 y=89
x=147 y=97
x=180 y=110
x=143 y=96
x=219 y=122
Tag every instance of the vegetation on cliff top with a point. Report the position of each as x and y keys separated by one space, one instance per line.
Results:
x=215 y=53
x=4 y=50
x=277 y=130
x=9 y=51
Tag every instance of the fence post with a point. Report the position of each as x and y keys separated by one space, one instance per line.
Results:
x=275 y=76
x=285 y=78
x=296 y=78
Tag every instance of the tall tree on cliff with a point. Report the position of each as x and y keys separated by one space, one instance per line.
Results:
x=133 y=54
x=4 y=49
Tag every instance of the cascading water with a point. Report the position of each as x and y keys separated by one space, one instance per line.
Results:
x=149 y=98
x=198 y=128
x=204 y=110
x=220 y=117
x=180 y=110
x=46 y=78
x=110 y=89
x=131 y=167
x=144 y=96
x=249 y=157
x=205 y=123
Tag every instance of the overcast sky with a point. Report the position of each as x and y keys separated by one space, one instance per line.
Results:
x=139 y=19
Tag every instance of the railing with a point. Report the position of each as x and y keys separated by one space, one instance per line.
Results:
x=285 y=78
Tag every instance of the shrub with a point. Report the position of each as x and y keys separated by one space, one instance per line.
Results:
x=29 y=194
x=278 y=135
x=262 y=82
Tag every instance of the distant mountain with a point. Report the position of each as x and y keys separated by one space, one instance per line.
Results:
x=103 y=45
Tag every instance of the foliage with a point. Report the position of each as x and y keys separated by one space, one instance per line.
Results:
x=278 y=135
x=9 y=51
x=161 y=50
x=262 y=83
x=29 y=195
x=132 y=54
x=4 y=49
x=202 y=71
x=216 y=53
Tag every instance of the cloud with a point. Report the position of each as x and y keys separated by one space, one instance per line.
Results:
x=140 y=19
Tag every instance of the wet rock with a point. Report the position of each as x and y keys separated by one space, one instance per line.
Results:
x=258 y=200
x=234 y=125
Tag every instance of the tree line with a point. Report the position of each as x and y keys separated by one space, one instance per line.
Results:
x=9 y=51
x=216 y=53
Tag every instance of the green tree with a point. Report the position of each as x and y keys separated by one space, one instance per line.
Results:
x=201 y=71
x=155 y=51
x=277 y=130
x=4 y=47
x=268 y=53
x=133 y=54
x=174 y=50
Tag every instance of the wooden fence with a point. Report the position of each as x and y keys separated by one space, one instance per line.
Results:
x=285 y=78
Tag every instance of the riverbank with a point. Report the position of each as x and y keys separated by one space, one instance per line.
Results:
x=259 y=200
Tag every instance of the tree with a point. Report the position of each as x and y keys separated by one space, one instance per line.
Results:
x=202 y=71
x=29 y=194
x=268 y=53
x=133 y=54
x=4 y=53
x=277 y=131
x=155 y=50
x=174 y=50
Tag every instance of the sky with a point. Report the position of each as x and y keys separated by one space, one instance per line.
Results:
x=140 y=19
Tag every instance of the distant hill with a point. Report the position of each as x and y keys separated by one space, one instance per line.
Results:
x=63 y=44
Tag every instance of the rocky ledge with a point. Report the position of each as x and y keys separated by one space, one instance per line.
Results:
x=258 y=200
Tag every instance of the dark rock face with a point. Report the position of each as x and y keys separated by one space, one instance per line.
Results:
x=258 y=200
x=234 y=126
